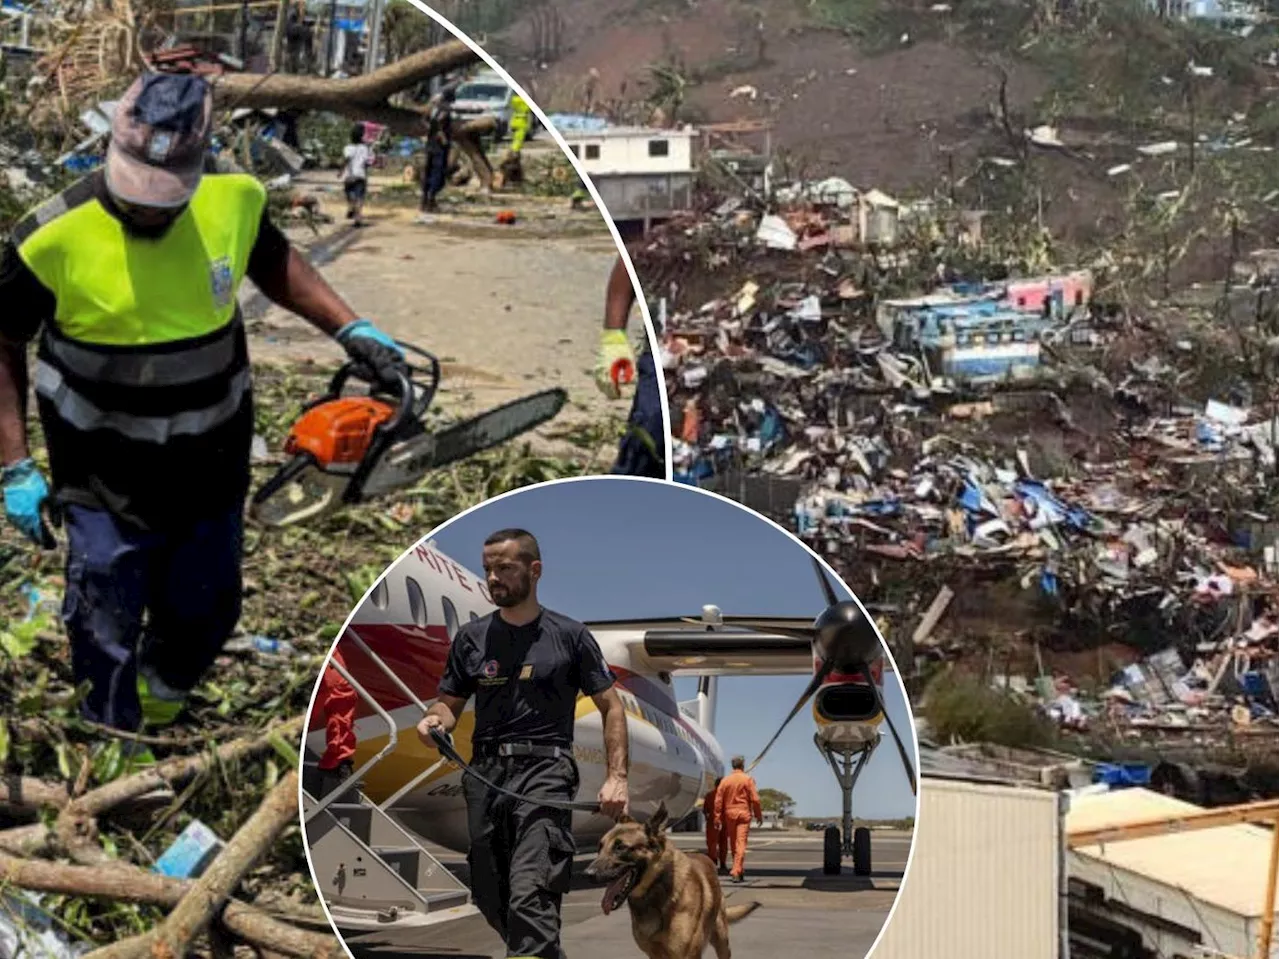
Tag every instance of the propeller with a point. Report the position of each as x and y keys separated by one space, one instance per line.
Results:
x=843 y=639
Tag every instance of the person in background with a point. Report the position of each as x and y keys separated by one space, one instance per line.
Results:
x=439 y=143
x=356 y=157
x=642 y=451
x=336 y=700
x=737 y=802
x=717 y=838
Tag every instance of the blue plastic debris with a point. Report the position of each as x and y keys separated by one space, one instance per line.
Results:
x=39 y=603
x=1122 y=775
x=191 y=853
x=81 y=163
x=1057 y=510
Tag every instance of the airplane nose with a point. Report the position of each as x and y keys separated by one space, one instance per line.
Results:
x=845 y=637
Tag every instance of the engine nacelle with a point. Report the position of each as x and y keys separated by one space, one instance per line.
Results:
x=846 y=703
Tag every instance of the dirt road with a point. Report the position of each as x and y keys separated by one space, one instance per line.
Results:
x=507 y=309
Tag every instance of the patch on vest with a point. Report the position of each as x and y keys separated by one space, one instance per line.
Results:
x=220 y=281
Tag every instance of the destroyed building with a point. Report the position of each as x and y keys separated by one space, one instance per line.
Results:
x=966 y=434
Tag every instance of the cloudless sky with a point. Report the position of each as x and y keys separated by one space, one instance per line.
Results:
x=616 y=549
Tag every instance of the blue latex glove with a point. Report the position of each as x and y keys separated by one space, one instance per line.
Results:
x=377 y=356
x=25 y=491
x=366 y=329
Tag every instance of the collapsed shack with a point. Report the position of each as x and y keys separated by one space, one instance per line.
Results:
x=1074 y=500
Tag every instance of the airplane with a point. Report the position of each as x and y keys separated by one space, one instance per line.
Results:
x=394 y=648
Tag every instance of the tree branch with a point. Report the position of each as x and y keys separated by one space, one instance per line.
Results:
x=122 y=882
x=319 y=93
x=212 y=890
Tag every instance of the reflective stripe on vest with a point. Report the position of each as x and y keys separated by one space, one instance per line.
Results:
x=82 y=414
x=151 y=368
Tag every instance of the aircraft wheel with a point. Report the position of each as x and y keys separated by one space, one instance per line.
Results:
x=831 y=851
x=862 y=851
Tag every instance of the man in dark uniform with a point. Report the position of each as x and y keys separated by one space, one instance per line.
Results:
x=643 y=449
x=526 y=666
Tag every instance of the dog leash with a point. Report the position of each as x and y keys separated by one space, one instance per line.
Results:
x=445 y=745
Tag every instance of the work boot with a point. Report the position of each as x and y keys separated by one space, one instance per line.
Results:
x=161 y=704
x=135 y=757
x=723 y=870
x=331 y=779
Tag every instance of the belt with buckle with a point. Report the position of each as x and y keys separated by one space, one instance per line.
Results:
x=445 y=744
x=523 y=749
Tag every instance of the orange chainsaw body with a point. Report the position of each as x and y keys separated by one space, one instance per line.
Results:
x=338 y=431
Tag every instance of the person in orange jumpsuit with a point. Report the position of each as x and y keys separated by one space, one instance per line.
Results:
x=737 y=802
x=717 y=839
x=336 y=701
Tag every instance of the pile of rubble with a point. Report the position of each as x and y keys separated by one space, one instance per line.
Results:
x=1011 y=424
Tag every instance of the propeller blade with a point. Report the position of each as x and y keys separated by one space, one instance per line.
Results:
x=902 y=750
x=812 y=688
x=827 y=589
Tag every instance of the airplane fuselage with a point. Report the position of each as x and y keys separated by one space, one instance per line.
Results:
x=404 y=628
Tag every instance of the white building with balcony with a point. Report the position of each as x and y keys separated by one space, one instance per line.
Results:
x=642 y=174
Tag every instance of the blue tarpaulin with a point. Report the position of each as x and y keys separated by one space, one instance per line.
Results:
x=1047 y=503
x=1122 y=775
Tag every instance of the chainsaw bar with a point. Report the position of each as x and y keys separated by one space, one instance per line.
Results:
x=412 y=458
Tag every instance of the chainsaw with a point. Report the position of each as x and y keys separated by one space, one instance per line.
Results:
x=348 y=449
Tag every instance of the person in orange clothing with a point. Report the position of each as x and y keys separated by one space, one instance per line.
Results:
x=717 y=838
x=336 y=701
x=737 y=802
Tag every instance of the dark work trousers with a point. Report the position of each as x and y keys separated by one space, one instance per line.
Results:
x=644 y=446
x=521 y=855
x=185 y=584
x=433 y=176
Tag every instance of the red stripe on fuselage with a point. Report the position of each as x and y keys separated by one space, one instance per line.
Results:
x=413 y=653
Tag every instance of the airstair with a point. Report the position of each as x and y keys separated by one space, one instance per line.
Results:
x=371 y=871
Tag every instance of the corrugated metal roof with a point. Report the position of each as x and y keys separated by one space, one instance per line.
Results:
x=937 y=764
x=1225 y=867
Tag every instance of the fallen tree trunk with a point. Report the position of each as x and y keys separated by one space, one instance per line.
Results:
x=288 y=91
x=366 y=97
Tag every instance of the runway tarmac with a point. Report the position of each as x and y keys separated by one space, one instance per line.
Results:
x=803 y=912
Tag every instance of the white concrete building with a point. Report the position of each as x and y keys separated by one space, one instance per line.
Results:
x=641 y=173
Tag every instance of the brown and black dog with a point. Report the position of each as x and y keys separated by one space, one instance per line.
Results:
x=677 y=906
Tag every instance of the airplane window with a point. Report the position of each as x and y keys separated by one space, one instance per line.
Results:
x=417 y=602
x=451 y=623
x=381 y=595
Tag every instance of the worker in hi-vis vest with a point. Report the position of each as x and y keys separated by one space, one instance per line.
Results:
x=129 y=279
x=521 y=122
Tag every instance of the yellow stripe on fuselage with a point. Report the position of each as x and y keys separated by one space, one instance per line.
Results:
x=411 y=756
